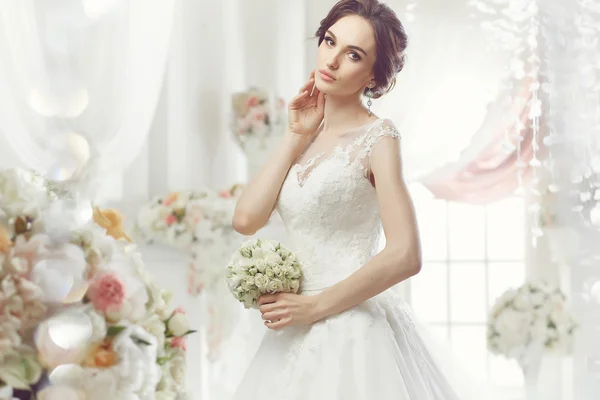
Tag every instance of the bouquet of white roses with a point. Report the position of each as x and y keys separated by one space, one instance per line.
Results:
x=262 y=266
x=532 y=319
x=79 y=316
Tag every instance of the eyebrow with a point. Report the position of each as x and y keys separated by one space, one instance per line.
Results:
x=350 y=46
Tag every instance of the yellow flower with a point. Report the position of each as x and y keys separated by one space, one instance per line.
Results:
x=112 y=221
x=101 y=356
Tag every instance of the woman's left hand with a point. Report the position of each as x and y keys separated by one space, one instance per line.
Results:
x=288 y=309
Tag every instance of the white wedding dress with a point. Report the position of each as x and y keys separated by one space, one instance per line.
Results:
x=373 y=351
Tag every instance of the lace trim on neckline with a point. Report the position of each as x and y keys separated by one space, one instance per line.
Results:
x=304 y=169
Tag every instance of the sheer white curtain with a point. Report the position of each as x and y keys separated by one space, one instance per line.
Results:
x=93 y=68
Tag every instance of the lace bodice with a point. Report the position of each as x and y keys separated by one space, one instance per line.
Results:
x=329 y=206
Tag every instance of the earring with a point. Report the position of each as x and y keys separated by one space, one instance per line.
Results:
x=369 y=96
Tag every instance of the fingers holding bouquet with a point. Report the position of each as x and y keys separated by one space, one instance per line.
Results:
x=264 y=275
x=287 y=309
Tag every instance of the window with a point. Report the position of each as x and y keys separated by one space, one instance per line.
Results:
x=471 y=254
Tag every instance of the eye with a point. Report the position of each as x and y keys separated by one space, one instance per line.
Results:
x=329 y=41
x=354 y=56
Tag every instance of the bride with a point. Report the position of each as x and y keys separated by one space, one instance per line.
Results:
x=335 y=179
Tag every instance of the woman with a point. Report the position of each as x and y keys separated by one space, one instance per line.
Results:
x=335 y=178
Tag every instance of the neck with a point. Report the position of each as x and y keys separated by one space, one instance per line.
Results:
x=342 y=113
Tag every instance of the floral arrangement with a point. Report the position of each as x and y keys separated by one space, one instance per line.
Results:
x=181 y=218
x=254 y=120
x=79 y=316
x=259 y=267
x=198 y=223
x=530 y=321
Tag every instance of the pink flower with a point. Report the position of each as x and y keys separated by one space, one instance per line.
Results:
x=107 y=293
x=179 y=343
x=253 y=101
x=170 y=199
x=171 y=219
x=225 y=194
x=179 y=310
x=260 y=116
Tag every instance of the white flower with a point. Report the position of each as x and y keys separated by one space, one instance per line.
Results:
x=98 y=324
x=20 y=369
x=273 y=259
x=528 y=320
x=123 y=264
x=179 y=324
x=258 y=267
x=261 y=281
x=121 y=381
x=521 y=301
x=261 y=265
x=274 y=286
x=269 y=272
x=177 y=367
x=156 y=327
x=538 y=298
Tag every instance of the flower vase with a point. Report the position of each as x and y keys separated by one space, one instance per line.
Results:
x=531 y=374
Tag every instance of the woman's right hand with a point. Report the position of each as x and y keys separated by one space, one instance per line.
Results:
x=305 y=112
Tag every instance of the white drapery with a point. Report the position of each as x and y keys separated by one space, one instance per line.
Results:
x=93 y=68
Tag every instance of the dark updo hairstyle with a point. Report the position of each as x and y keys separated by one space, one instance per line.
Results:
x=390 y=38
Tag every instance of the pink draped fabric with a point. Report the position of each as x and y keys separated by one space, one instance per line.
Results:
x=486 y=171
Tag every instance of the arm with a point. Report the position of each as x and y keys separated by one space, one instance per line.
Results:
x=399 y=260
x=401 y=257
x=257 y=202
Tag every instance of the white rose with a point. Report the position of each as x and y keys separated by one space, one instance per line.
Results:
x=269 y=272
x=294 y=273
x=249 y=281
x=261 y=266
x=234 y=281
x=275 y=285
x=249 y=300
x=273 y=259
x=261 y=281
x=179 y=324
